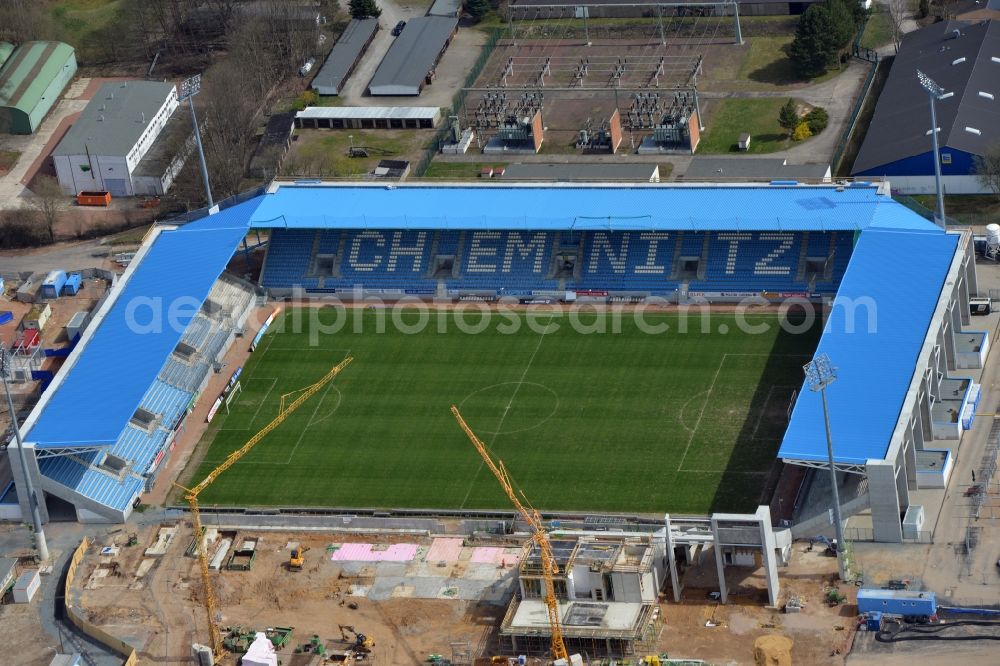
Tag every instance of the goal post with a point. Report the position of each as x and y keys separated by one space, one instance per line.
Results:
x=232 y=393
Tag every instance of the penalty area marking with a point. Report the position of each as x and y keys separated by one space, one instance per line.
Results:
x=312 y=421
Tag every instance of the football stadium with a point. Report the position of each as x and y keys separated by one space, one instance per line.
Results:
x=624 y=350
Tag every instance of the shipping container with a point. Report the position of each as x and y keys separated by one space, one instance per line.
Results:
x=27 y=339
x=26 y=586
x=897 y=602
x=38 y=316
x=53 y=284
x=76 y=324
x=93 y=198
x=72 y=285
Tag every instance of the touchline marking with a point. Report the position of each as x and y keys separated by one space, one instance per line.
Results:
x=708 y=396
x=503 y=417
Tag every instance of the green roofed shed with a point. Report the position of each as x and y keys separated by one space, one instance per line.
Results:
x=31 y=80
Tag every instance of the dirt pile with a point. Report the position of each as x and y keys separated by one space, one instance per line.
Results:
x=772 y=650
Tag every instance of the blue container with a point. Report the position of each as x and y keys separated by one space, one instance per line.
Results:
x=897 y=602
x=874 y=620
x=53 y=283
x=72 y=284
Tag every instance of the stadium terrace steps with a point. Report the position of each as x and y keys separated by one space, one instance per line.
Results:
x=139 y=447
x=524 y=261
x=92 y=483
x=166 y=402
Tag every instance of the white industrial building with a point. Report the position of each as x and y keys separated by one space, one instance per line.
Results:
x=125 y=142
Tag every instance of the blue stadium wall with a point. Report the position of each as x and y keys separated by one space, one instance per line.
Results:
x=525 y=262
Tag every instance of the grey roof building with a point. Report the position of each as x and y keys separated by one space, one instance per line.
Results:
x=724 y=169
x=450 y=8
x=964 y=59
x=413 y=55
x=120 y=143
x=344 y=56
x=583 y=172
x=115 y=118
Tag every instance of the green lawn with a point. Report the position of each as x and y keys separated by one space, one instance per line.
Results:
x=682 y=421
x=966 y=208
x=458 y=170
x=767 y=63
x=78 y=18
x=733 y=117
x=8 y=158
x=323 y=153
x=878 y=30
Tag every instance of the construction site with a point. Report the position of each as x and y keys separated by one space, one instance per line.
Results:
x=247 y=587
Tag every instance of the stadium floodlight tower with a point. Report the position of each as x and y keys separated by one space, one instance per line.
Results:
x=935 y=92
x=190 y=87
x=29 y=492
x=820 y=373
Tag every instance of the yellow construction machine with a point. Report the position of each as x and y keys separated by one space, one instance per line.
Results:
x=297 y=558
x=359 y=642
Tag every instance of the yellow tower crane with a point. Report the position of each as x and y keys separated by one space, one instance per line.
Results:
x=191 y=494
x=539 y=536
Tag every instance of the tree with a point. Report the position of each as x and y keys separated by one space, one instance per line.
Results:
x=362 y=9
x=843 y=21
x=815 y=43
x=987 y=169
x=49 y=201
x=788 y=115
x=896 y=11
x=478 y=8
x=801 y=132
x=817 y=119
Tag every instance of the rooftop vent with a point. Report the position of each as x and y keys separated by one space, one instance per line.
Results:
x=958 y=61
x=973 y=130
x=986 y=94
x=956 y=33
x=995 y=59
x=100 y=118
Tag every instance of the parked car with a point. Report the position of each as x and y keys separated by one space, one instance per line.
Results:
x=398 y=29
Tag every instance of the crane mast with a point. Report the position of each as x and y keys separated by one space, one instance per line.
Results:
x=191 y=494
x=539 y=536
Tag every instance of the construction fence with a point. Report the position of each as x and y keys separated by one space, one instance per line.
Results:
x=82 y=623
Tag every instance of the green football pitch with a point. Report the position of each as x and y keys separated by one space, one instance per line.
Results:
x=627 y=420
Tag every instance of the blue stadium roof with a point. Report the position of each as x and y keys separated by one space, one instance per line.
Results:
x=894 y=279
x=95 y=400
x=550 y=208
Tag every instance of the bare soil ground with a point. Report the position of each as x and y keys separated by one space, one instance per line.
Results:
x=160 y=612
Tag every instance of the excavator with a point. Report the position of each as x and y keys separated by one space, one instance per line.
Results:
x=360 y=643
x=297 y=558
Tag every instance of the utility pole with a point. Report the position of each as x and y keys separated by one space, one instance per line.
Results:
x=29 y=492
x=189 y=88
x=820 y=373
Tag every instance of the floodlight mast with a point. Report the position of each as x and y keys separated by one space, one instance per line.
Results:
x=189 y=88
x=935 y=92
x=820 y=373
x=30 y=496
